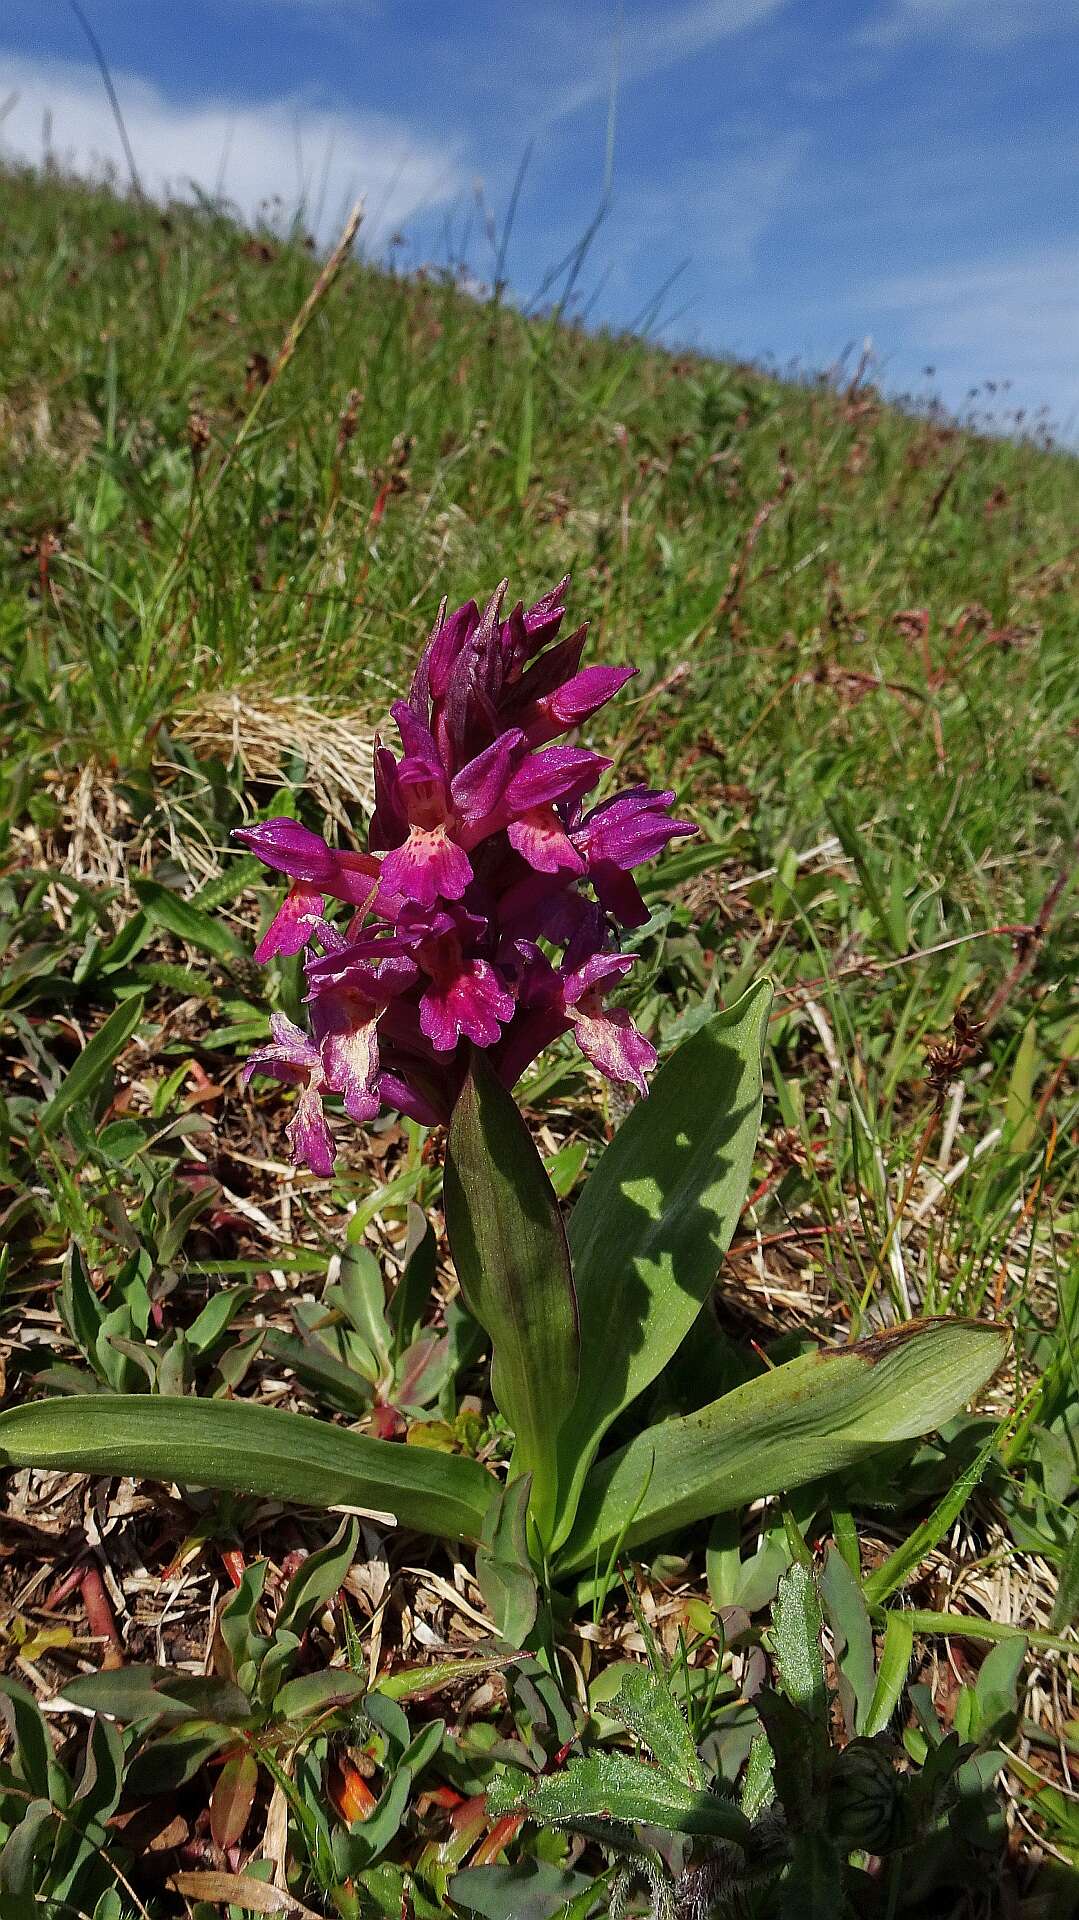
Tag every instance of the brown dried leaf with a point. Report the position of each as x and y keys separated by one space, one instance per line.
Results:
x=255 y=1895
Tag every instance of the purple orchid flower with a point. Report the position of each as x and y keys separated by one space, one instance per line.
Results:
x=479 y=848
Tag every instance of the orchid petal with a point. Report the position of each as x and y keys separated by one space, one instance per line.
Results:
x=541 y=839
x=294 y=925
x=430 y=865
x=309 y=1136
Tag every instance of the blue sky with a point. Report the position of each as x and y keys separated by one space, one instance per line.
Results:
x=829 y=170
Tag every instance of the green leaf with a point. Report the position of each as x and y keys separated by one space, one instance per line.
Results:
x=1020 y=1115
x=734 y=1582
x=509 y=1247
x=29 y=1738
x=200 y=929
x=314 y=1584
x=312 y=1362
x=796 y=1642
x=80 y=1309
x=158 y=1693
x=214 y=1320
x=503 y=1569
x=616 y=1787
x=996 y=1691
x=895 y=1659
x=645 y=1704
x=414 y=1290
x=17 y=1898
x=528 y=1890
x=240 y=1447
x=360 y=1292
x=651 y=1227
x=848 y=1617
x=415 y=1683
x=92 y=1064
x=815 y=1416
x=319 y=1693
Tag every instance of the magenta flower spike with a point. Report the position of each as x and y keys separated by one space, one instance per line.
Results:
x=480 y=847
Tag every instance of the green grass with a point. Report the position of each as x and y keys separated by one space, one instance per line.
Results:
x=889 y=801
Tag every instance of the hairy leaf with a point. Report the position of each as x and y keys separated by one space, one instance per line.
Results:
x=614 y=1786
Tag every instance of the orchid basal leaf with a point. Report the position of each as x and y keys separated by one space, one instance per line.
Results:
x=815 y=1416
x=650 y=1230
x=241 y=1447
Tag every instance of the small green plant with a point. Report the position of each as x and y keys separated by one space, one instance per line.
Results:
x=866 y=1823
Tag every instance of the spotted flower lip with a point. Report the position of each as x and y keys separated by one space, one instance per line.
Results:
x=482 y=846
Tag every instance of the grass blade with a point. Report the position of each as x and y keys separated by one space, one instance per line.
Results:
x=92 y=1064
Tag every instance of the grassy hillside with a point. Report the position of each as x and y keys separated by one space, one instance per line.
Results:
x=856 y=635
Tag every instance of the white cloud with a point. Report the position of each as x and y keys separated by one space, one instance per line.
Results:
x=281 y=149
x=647 y=43
x=980 y=22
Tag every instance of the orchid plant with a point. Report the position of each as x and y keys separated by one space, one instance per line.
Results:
x=482 y=922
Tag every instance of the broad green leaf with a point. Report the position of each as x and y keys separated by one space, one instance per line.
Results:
x=509 y=1247
x=241 y=1447
x=996 y=1691
x=749 y=1583
x=650 y=1230
x=80 y=1309
x=216 y=1317
x=92 y=1064
x=528 y=1890
x=318 y=1693
x=815 y=1416
x=616 y=1787
x=360 y=1292
x=200 y=929
x=414 y=1290
x=503 y=1569
x=101 y=1781
x=312 y=1362
x=173 y=1758
x=158 y=1693
x=29 y=1742
x=415 y=1683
